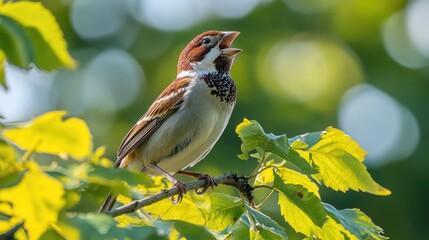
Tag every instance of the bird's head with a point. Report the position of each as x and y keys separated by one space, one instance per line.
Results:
x=209 y=52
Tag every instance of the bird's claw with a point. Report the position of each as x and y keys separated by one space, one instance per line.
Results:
x=182 y=191
x=210 y=182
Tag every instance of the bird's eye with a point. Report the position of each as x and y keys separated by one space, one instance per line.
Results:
x=206 y=41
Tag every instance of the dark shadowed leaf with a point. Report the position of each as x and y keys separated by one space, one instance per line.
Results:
x=253 y=136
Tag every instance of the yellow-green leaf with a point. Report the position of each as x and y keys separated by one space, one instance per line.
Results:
x=339 y=159
x=288 y=176
x=302 y=209
x=36 y=200
x=293 y=177
x=333 y=231
x=43 y=30
x=49 y=133
x=216 y=211
x=357 y=223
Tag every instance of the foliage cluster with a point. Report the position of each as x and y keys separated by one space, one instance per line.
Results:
x=52 y=179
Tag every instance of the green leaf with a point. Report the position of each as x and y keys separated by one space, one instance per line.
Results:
x=107 y=174
x=15 y=43
x=266 y=228
x=253 y=136
x=2 y=73
x=11 y=179
x=261 y=233
x=357 y=223
x=302 y=209
x=304 y=141
x=36 y=200
x=50 y=48
x=215 y=211
x=6 y=153
x=339 y=159
x=49 y=133
x=100 y=226
x=190 y=231
x=240 y=230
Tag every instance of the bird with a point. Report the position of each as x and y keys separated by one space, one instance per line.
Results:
x=185 y=121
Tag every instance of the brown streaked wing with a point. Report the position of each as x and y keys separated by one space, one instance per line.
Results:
x=164 y=105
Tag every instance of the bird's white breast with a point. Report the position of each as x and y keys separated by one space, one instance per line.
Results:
x=201 y=120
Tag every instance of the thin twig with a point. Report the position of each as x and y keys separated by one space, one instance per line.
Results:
x=230 y=179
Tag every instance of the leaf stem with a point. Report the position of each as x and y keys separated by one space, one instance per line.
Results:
x=264 y=199
x=262 y=160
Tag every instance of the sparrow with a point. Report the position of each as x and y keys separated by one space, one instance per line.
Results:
x=185 y=121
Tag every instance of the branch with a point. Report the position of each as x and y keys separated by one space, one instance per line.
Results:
x=230 y=179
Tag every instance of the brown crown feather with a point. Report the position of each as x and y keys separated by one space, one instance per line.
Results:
x=194 y=51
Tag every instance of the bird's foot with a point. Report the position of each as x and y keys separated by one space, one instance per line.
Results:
x=210 y=182
x=182 y=191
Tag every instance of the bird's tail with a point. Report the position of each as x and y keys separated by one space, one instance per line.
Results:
x=108 y=202
x=111 y=198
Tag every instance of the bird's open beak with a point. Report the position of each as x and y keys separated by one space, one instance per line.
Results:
x=226 y=42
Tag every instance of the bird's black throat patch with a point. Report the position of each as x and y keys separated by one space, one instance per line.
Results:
x=222 y=86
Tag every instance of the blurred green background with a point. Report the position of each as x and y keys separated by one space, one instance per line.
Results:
x=359 y=65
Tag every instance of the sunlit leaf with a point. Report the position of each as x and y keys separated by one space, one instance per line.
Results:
x=333 y=231
x=339 y=159
x=288 y=176
x=50 y=49
x=50 y=133
x=357 y=223
x=215 y=211
x=302 y=209
x=37 y=200
x=253 y=136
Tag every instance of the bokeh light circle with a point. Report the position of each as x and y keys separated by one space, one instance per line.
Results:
x=169 y=15
x=398 y=43
x=383 y=127
x=417 y=15
x=97 y=18
x=309 y=70
x=309 y=6
x=233 y=9
x=111 y=80
x=27 y=95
